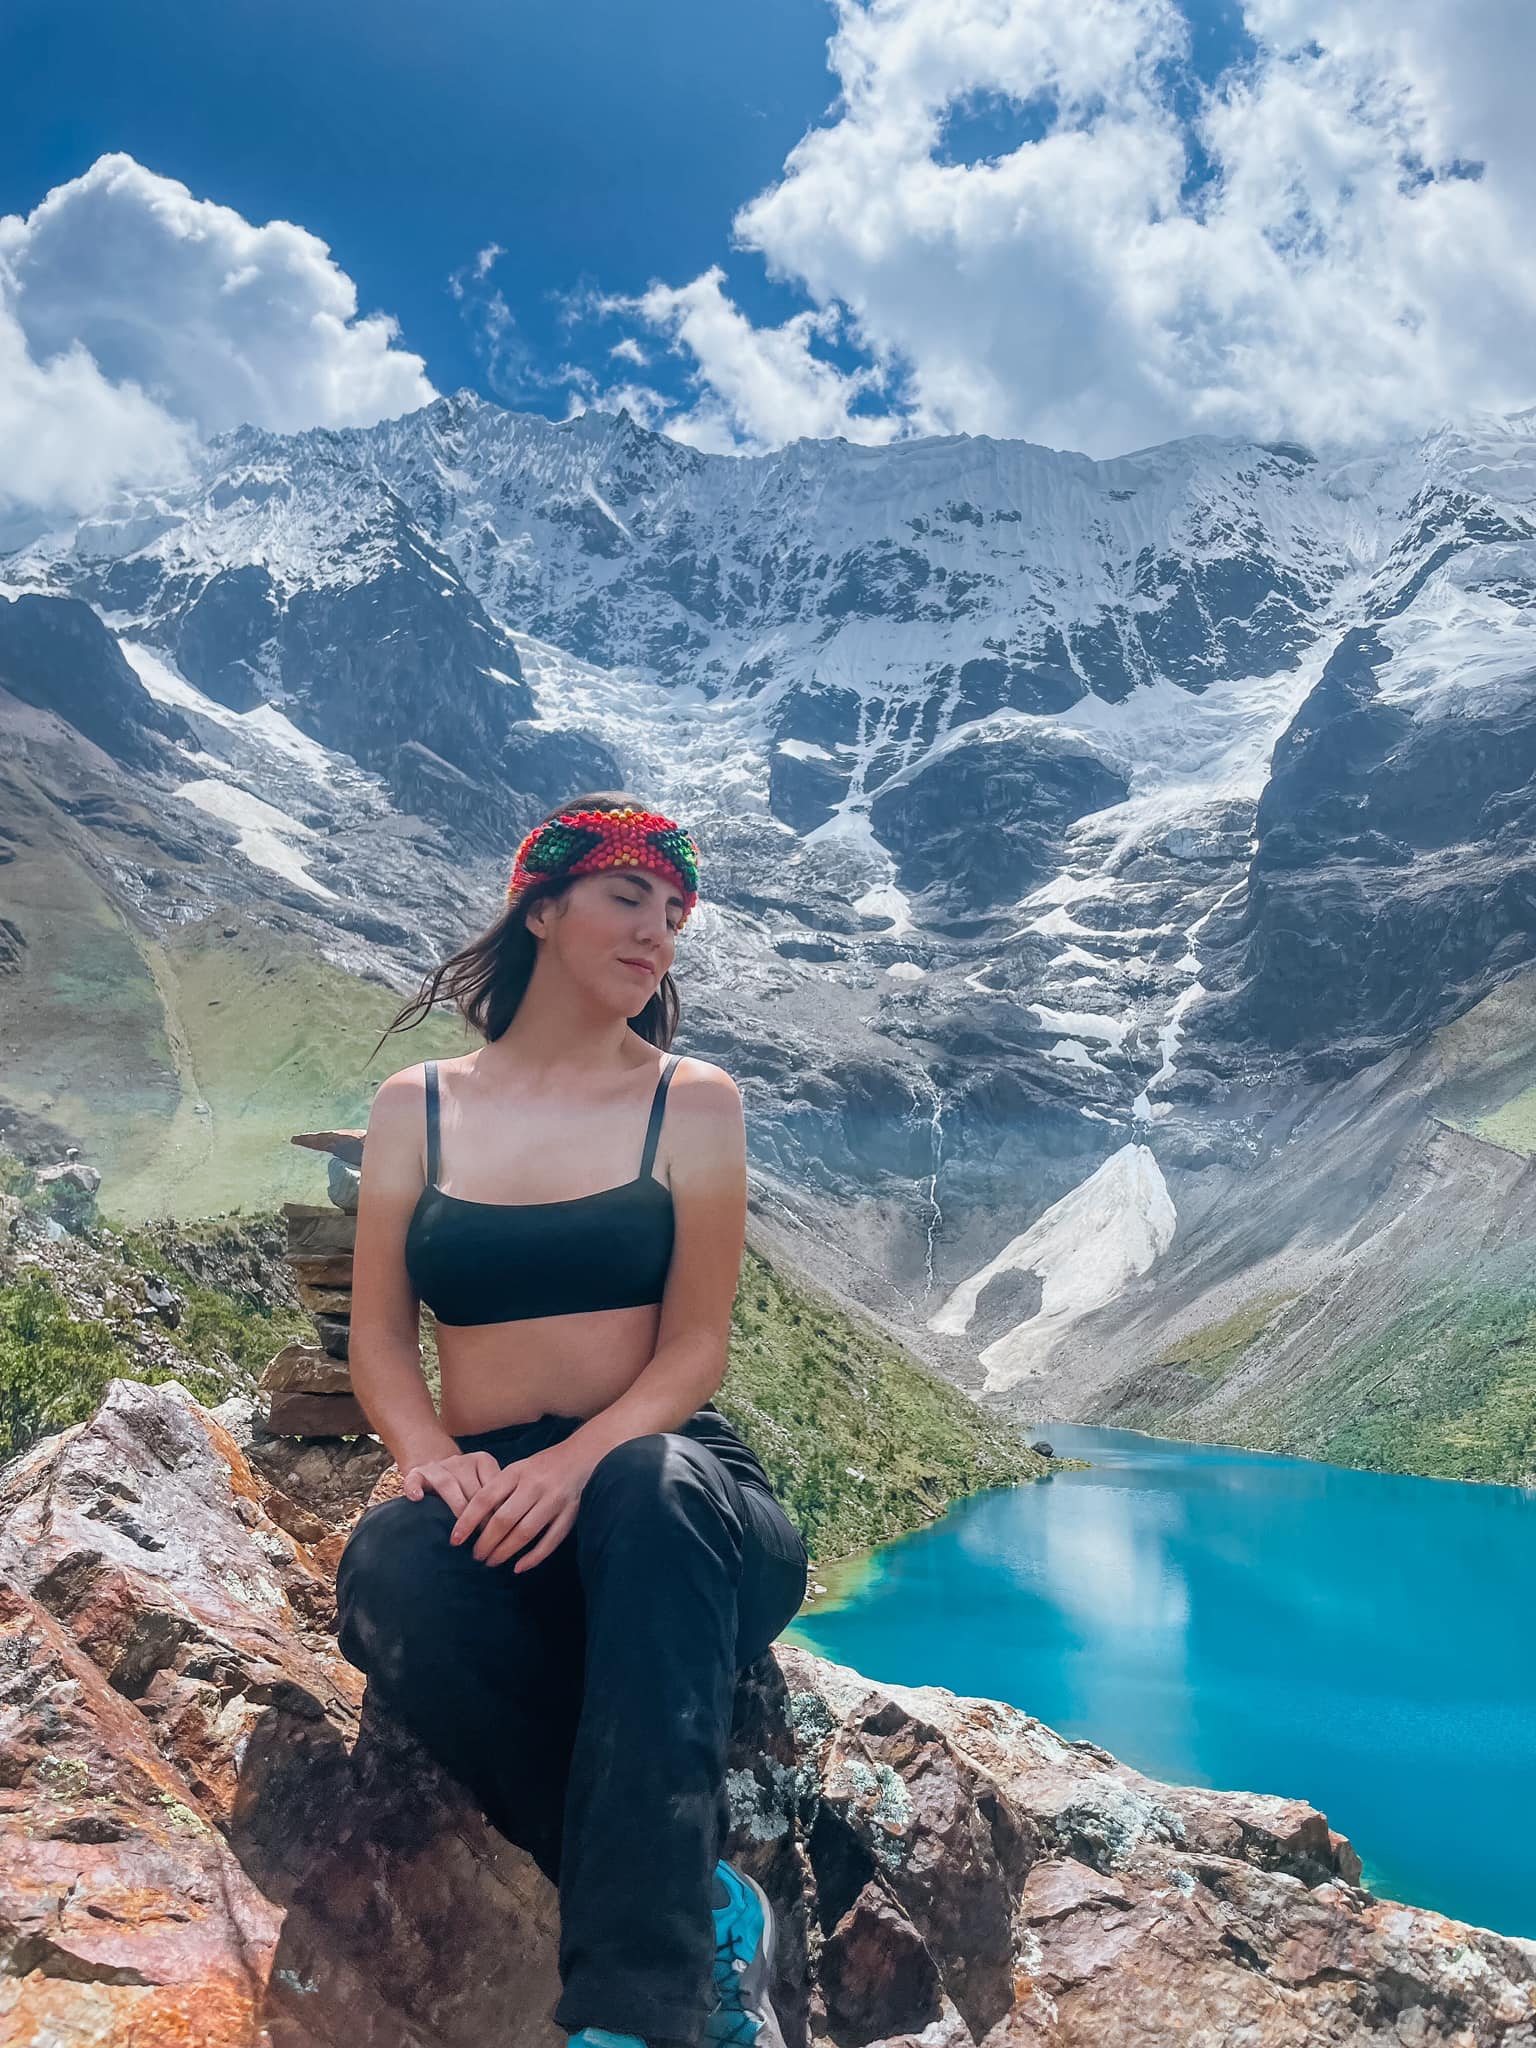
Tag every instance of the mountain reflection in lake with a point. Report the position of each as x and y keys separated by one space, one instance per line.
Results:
x=1226 y=1618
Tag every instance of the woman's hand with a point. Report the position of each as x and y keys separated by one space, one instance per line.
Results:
x=456 y=1478
x=516 y=1501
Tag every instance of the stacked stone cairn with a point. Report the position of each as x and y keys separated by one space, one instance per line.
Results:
x=307 y=1389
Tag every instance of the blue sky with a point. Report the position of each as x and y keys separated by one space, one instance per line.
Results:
x=597 y=142
x=1094 y=227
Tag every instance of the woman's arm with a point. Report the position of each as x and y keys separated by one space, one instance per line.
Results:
x=384 y=1346
x=707 y=1142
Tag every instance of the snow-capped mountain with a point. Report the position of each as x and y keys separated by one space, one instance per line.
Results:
x=1061 y=820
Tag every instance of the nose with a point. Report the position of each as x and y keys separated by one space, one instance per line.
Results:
x=650 y=943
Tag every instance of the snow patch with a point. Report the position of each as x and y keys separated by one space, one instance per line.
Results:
x=1069 y=888
x=1076 y=956
x=1456 y=644
x=1084 y=1024
x=1168 y=1034
x=608 y=512
x=1071 y=1052
x=263 y=833
x=886 y=900
x=1172 y=1028
x=1086 y=1249
x=167 y=685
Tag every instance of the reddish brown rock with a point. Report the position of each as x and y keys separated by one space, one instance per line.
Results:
x=1157 y=1914
x=322 y=1269
x=365 y=1903
x=876 y=1970
x=292 y=1413
x=305 y=1369
x=122 y=1909
x=343 y=1145
x=209 y=1836
x=315 y=1229
x=299 y=1521
x=386 y=1486
x=951 y=1850
x=329 y=1301
x=331 y=1476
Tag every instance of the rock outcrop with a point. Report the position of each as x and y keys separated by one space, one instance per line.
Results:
x=56 y=654
x=1384 y=842
x=211 y=1836
x=307 y=1388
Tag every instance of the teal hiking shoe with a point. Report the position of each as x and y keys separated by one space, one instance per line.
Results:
x=744 y=1943
x=603 y=2037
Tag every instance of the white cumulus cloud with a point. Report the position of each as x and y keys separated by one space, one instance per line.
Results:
x=135 y=317
x=757 y=386
x=1329 y=240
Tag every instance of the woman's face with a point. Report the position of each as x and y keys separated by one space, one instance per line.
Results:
x=619 y=931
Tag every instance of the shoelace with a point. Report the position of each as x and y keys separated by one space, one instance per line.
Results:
x=731 y=2023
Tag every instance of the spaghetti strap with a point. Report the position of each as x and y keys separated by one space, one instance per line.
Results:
x=429 y=1067
x=658 y=1103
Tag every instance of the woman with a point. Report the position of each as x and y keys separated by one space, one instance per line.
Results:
x=584 y=1552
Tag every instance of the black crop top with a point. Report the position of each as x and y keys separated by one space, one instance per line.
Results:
x=501 y=1262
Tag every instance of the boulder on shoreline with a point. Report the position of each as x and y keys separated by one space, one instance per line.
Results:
x=212 y=1836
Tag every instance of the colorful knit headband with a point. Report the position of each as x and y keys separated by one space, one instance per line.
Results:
x=581 y=842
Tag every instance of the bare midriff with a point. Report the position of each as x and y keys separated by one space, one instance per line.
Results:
x=493 y=1374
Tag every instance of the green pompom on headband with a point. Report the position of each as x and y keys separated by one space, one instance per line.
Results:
x=581 y=842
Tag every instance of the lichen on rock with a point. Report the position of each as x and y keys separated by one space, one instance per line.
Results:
x=213 y=1835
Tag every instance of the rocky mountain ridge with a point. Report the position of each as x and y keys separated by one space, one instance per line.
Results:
x=1074 y=829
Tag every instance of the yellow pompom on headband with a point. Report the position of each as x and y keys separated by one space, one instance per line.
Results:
x=581 y=842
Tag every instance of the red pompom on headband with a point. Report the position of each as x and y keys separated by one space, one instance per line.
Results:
x=581 y=842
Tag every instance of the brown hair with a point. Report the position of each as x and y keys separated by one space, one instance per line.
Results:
x=486 y=978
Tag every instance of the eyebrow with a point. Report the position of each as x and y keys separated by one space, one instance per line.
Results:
x=643 y=881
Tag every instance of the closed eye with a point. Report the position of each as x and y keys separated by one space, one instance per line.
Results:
x=634 y=902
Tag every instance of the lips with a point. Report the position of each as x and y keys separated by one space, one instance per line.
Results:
x=644 y=966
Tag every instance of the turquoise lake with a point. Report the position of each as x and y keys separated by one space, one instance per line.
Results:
x=1226 y=1618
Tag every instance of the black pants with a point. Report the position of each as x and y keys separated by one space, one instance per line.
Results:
x=586 y=1703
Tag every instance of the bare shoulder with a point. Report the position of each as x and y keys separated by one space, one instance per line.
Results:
x=395 y=1144
x=706 y=1132
x=704 y=1088
x=398 y=1096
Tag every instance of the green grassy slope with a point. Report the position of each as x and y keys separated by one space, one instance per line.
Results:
x=860 y=1440
x=1512 y=1124
x=1488 y=1061
x=1447 y=1389
x=83 y=1035
x=74 y=1314
x=272 y=1041
x=1213 y=1351
x=817 y=1391
x=1444 y=1385
x=183 y=1068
